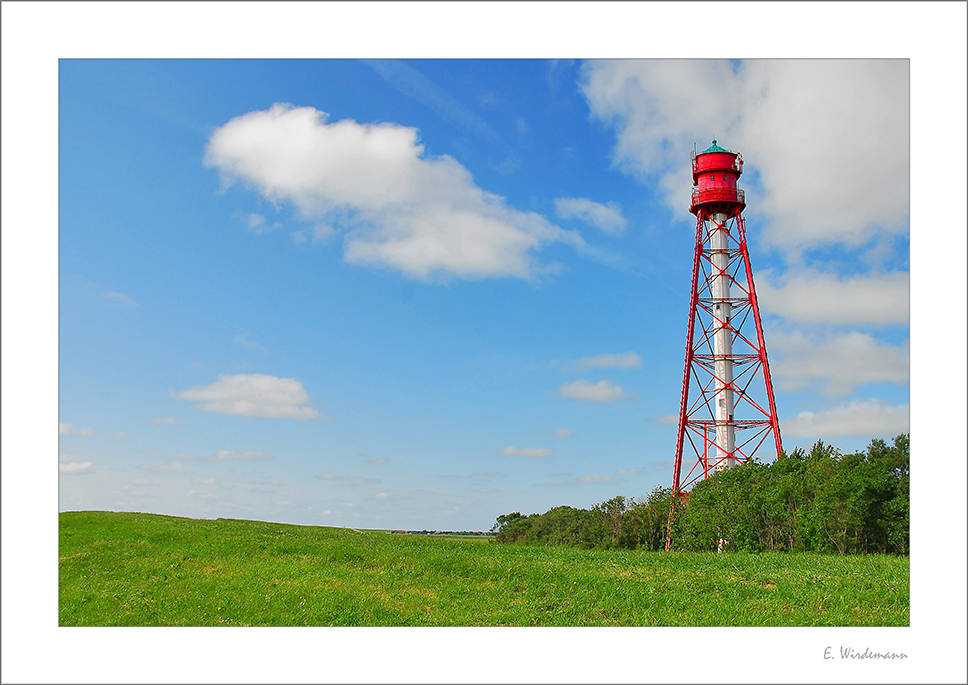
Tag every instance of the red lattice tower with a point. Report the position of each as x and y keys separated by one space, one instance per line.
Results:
x=727 y=410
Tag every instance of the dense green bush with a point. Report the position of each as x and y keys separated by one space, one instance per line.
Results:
x=558 y=526
x=619 y=523
x=821 y=501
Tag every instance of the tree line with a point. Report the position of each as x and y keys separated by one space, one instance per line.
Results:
x=820 y=500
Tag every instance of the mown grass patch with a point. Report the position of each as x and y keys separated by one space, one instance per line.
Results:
x=142 y=569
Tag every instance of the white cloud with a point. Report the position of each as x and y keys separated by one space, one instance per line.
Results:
x=603 y=391
x=243 y=340
x=256 y=223
x=76 y=467
x=628 y=360
x=254 y=394
x=512 y=451
x=419 y=215
x=607 y=217
x=829 y=138
x=68 y=429
x=171 y=467
x=859 y=418
x=167 y=421
x=381 y=495
x=627 y=472
x=839 y=363
x=563 y=433
x=172 y=455
x=69 y=464
x=594 y=478
x=321 y=233
x=120 y=298
x=222 y=455
x=349 y=479
x=812 y=297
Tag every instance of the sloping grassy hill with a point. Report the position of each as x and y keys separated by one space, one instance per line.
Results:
x=142 y=569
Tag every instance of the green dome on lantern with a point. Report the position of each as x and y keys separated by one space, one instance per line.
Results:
x=714 y=148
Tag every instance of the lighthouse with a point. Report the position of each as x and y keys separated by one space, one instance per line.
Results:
x=727 y=409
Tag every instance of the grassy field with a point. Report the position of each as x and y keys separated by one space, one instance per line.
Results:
x=124 y=569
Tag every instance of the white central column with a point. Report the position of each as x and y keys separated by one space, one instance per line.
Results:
x=723 y=342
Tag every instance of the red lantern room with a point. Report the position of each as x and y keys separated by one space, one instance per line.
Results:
x=715 y=171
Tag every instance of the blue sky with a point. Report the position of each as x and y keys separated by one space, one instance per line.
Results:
x=422 y=293
x=130 y=278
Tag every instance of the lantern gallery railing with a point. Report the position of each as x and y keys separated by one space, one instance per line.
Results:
x=718 y=195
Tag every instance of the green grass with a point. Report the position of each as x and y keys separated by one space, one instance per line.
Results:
x=124 y=569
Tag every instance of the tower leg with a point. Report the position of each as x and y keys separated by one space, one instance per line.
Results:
x=754 y=304
x=684 y=399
